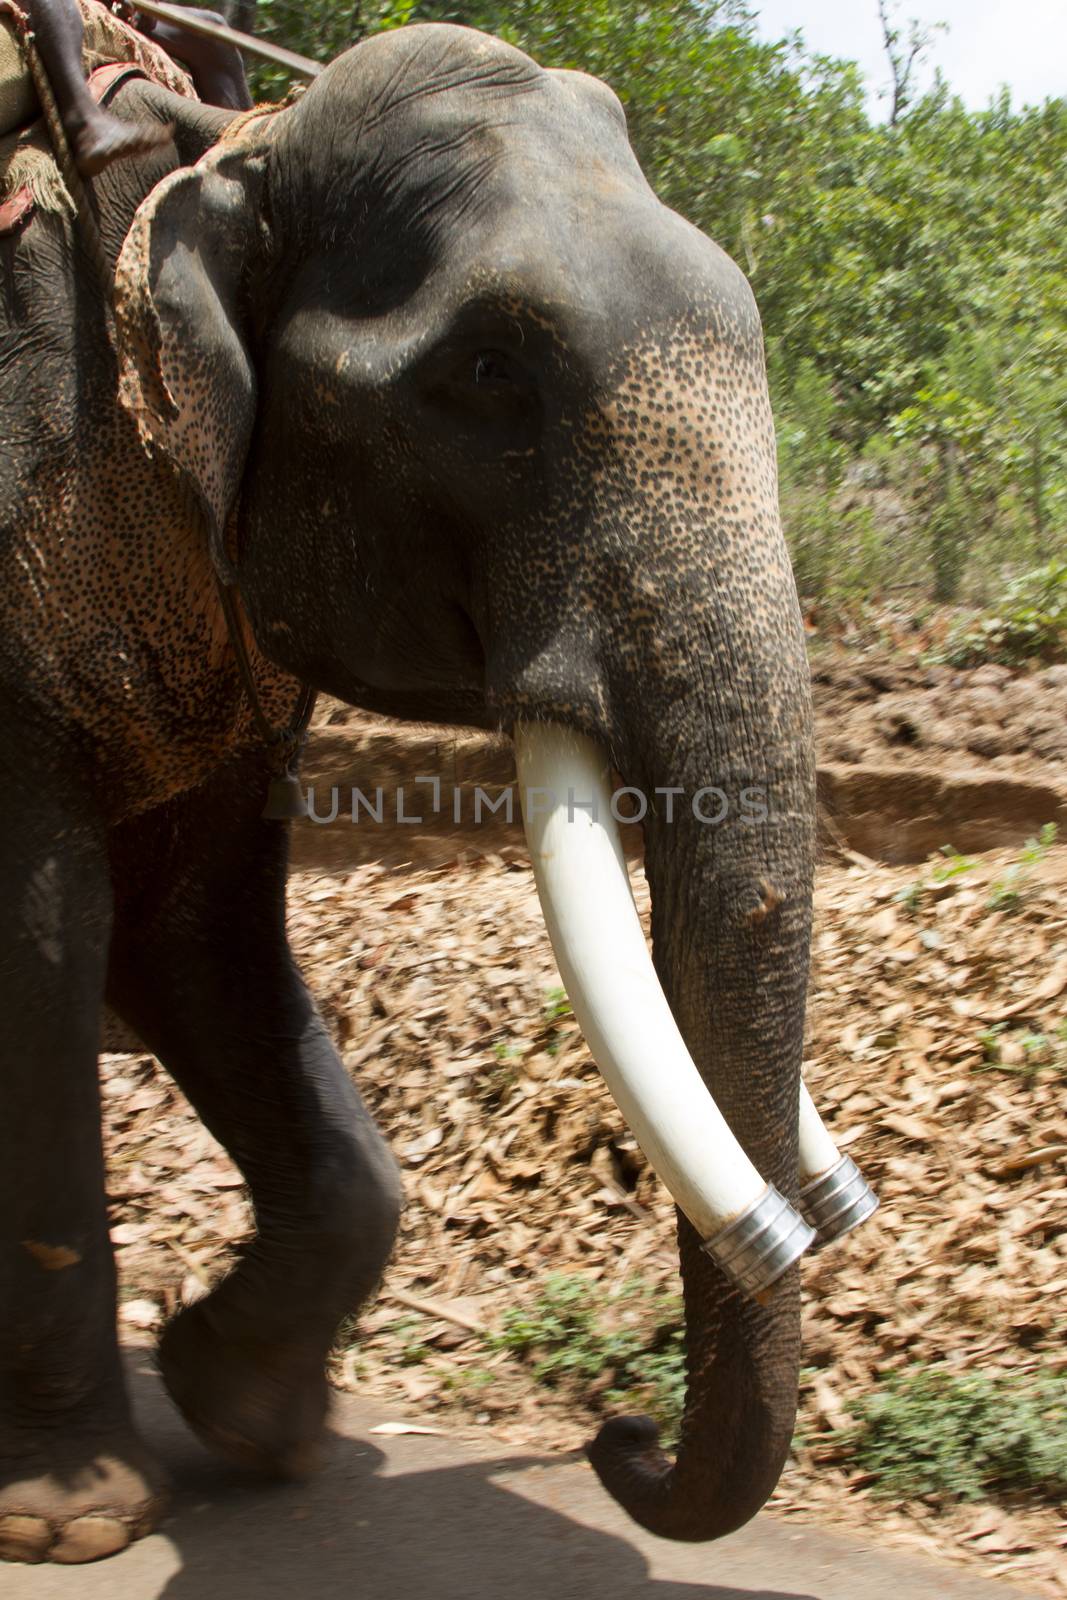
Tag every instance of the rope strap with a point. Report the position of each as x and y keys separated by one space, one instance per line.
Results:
x=57 y=137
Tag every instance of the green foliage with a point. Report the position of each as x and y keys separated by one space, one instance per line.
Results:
x=928 y=1432
x=411 y=1351
x=989 y=1039
x=1028 y=623
x=556 y=1009
x=1024 y=1051
x=1006 y=892
x=468 y=1382
x=497 y=1083
x=574 y=1337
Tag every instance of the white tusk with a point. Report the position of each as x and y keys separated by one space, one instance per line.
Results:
x=834 y=1195
x=600 y=948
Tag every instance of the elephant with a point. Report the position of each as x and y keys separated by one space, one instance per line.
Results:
x=412 y=393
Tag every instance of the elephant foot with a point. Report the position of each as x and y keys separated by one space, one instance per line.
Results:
x=72 y=1498
x=262 y=1404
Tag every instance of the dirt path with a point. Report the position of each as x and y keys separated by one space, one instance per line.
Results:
x=401 y=1517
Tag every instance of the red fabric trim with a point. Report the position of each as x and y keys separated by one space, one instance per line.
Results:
x=106 y=81
x=16 y=210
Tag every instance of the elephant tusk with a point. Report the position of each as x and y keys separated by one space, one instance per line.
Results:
x=834 y=1195
x=747 y=1227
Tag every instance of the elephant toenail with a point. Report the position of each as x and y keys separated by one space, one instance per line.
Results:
x=24 y=1538
x=89 y=1538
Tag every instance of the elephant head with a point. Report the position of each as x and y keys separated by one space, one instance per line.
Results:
x=484 y=429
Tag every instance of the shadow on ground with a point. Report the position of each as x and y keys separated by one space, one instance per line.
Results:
x=381 y=1530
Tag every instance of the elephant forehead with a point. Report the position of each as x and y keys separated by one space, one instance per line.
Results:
x=442 y=151
x=424 y=105
x=437 y=71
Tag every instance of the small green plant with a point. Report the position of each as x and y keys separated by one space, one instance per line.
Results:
x=911 y=896
x=561 y=1329
x=1006 y=892
x=1037 y=1048
x=951 y=1437
x=468 y=1381
x=989 y=1039
x=556 y=1009
x=1028 y=623
x=411 y=1351
x=573 y=1336
x=952 y=866
x=556 y=1005
x=496 y=1083
x=1024 y=1052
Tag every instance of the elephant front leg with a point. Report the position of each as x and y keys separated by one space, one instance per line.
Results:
x=75 y=1481
x=203 y=973
x=247 y=1365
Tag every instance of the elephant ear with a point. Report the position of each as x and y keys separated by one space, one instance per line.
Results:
x=185 y=373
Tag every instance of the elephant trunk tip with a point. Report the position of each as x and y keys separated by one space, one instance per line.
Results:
x=627 y=1458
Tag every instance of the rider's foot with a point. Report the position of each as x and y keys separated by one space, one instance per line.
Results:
x=104 y=138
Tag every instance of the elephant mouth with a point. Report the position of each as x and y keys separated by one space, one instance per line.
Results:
x=746 y=1226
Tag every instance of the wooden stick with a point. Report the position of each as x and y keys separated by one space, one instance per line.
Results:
x=226 y=35
x=432 y=1308
x=1030 y=1159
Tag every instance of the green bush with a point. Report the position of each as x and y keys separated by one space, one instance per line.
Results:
x=1028 y=623
x=930 y=1433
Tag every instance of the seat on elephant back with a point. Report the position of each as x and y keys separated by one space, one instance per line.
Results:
x=113 y=51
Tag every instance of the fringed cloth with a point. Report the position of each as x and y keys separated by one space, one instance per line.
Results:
x=29 y=176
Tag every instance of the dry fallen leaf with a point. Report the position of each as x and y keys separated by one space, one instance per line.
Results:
x=140 y=1313
x=393 y=1428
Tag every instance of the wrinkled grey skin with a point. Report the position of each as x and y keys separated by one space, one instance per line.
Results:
x=483 y=429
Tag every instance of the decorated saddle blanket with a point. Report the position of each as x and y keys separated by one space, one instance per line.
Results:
x=112 y=53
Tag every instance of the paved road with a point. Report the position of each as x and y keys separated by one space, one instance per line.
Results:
x=426 y=1518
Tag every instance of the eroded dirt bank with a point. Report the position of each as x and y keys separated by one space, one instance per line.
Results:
x=910 y=758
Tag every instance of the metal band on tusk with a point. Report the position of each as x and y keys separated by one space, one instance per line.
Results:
x=838 y=1201
x=763 y=1242
x=834 y=1196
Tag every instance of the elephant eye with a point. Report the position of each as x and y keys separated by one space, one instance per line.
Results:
x=491 y=366
x=484 y=397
